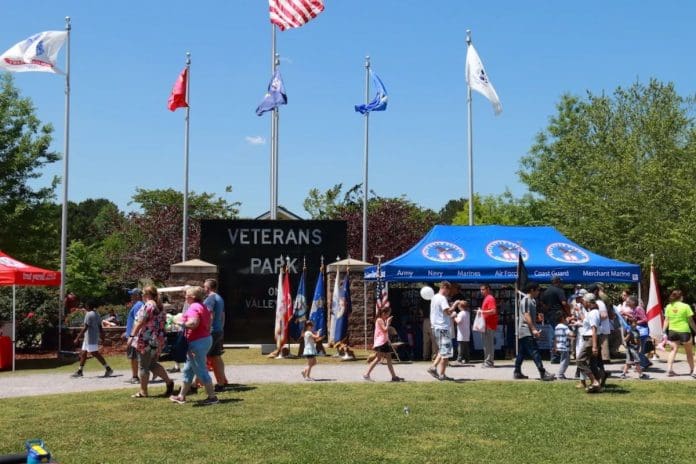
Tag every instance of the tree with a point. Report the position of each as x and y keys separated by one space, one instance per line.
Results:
x=322 y=205
x=615 y=173
x=27 y=230
x=92 y=220
x=394 y=224
x=147 y=243
x=85 y=266
x=501 y=209
x=200 y=206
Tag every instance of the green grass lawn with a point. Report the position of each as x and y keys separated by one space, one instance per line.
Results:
x=476 y=421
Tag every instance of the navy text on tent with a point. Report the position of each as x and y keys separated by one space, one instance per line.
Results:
x=477 y=254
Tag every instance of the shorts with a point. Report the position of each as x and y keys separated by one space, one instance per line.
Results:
x=386 y=348
x=681 y=337
x=632 y=355
x=89 y=347
x=146 y=360
x=216 y=347
x=131 y=352
x=444 y=342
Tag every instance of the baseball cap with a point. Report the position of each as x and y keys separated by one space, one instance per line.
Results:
x=589 y=297
x=582 y=292
x=135 y=291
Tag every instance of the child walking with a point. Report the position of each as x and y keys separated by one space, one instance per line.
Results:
x=561 y=335
x=91 y=329
x=382 y=346
x=632 y=339
x=310 y=349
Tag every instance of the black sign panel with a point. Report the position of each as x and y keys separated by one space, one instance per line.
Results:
x=248 y=256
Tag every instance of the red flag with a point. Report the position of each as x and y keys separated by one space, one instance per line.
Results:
x=654 y=310
x=294 y=13
x=178 y=97
x=287 y=303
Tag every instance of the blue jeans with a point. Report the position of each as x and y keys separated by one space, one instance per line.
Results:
x=565 y=360
x=195 y=361
x=527 y=346
x=644 y=361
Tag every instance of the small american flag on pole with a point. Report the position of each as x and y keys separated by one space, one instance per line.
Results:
x=382 y=291
x=294 y=13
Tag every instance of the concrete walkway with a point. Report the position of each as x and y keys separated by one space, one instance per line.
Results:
x=17 y=385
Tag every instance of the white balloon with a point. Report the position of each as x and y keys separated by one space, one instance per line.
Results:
x=427 y=293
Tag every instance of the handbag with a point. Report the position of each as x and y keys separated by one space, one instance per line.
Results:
x=180 y=348
x=479 y=323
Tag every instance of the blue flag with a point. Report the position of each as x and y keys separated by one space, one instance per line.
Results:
x=275 y=96
x=318 y=309
x=300 y=309
x=379 y=103
x=342 y=313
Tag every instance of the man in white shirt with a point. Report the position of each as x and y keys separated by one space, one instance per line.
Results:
x=590 y=345
x=440 y=319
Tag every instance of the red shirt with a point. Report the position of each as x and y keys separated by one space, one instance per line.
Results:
x=491 y=319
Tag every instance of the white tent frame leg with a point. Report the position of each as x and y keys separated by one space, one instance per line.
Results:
x=14 y=326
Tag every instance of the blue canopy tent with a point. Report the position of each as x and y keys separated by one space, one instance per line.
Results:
x=477 y=254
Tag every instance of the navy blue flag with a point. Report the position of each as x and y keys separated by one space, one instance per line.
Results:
x=275 y=96
x=343 y=311
x=300 y=309
x=317 y=312
x=379 y=103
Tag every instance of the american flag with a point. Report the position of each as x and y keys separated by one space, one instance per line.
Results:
x=294 y=13
x=381 y=296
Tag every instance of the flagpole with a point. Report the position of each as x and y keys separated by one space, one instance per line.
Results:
x=64 y=214
x=184 y=237
x=272 y=206
x=276 y=117
x=470 y=143
x=365 y=160
x=365 y=187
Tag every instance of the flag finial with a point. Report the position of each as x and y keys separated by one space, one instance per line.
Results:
x=468 y=36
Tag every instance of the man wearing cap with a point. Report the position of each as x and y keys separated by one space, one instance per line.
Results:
x=589 y=350
x=136 y=296
x=527 y=333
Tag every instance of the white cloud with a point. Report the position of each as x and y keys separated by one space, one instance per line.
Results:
x=255 y=140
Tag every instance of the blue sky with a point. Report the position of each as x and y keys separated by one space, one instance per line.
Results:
x=125 y=57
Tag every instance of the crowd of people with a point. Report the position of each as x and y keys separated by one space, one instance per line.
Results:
x=583 y=327
x=201 y=325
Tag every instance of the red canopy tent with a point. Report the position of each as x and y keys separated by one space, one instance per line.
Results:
x=13 y=272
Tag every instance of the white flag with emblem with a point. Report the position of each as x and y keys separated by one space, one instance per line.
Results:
x=37 y=53
x=477 y=79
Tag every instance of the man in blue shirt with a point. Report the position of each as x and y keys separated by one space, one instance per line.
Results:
x=137 y=302
x=216 y=306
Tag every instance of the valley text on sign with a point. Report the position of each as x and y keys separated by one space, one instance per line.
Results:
x=248 y=256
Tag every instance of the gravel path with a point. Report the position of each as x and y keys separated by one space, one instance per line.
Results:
x=18 y=384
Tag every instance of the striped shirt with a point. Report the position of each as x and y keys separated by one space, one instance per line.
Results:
x=561 y=337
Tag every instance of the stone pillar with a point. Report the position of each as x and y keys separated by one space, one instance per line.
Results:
x=192 y=272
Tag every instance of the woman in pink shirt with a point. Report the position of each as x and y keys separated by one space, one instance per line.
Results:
x=196 y=322
x=381 y=345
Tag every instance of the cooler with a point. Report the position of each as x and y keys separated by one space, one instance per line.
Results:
x=5 y=353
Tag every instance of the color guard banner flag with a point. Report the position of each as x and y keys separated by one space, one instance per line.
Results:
x=38 y=53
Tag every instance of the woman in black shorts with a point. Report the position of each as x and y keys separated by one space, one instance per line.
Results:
x=678 y=326
x=381 y=345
